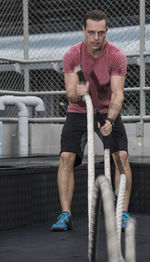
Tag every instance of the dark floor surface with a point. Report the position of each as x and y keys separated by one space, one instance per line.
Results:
x=38 y=244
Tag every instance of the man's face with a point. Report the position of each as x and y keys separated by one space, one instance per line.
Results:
x=95 y=33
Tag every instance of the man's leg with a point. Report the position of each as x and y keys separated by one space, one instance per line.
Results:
x=122 y=166
x=65 y=180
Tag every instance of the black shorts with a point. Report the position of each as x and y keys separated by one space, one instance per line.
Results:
x=74 y=135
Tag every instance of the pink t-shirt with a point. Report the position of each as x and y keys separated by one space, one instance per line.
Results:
x=97 y=71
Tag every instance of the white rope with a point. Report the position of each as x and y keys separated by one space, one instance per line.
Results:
x=113 y=234
x=130 y=242
x=102 y=191
x=91 y=157
x=107 y=167
x=119 y=209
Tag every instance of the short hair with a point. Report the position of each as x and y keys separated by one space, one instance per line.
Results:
x=96 y=15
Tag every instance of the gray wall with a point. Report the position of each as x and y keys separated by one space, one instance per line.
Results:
x=45 y=139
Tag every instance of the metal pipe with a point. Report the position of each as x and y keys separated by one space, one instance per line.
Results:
x=126 y=119
x=142 y=62
x=26 y=43
x=39 y=93
x=22 y=103
x=24 y=61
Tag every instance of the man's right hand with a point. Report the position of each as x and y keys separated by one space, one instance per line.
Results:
x=82 y=89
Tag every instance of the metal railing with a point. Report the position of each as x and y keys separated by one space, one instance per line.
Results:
x=36 y=34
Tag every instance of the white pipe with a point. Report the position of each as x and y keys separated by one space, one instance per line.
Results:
x=22 y=102
x=22 y=128
x=0 y=138
x=23 y=135
x=27 y=100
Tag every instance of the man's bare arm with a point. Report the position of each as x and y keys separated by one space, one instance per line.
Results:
x=74 y=89
x=117 y=86
x=117 y=96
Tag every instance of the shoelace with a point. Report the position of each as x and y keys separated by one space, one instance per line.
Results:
x=63 y=217
x=125 y=217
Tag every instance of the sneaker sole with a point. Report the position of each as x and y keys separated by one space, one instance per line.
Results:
x=60 y=229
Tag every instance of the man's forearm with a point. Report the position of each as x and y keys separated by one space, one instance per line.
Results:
x=75 y=93
x=114 y=108
x=74 y=99
x=117 y=96
x=72 y=96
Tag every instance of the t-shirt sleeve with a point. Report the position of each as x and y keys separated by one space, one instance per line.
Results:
x=70 y=60
x=119 y=64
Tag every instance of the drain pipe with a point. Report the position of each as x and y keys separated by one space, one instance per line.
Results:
x=23 y=132
x=22 y=102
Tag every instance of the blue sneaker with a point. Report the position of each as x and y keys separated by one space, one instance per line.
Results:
x=125 y=218
x=64 y=222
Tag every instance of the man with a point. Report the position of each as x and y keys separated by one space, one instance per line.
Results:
x=104 y=67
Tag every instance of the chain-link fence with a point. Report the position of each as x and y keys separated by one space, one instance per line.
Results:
x=34 y=35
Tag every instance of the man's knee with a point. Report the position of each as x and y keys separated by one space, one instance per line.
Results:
x=67 y=159
x=121 y=158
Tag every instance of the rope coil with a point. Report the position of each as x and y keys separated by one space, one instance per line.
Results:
x=103 y=191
